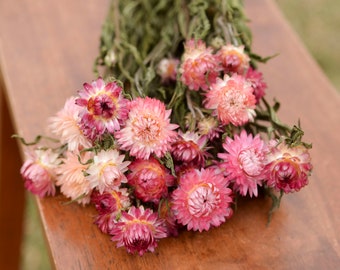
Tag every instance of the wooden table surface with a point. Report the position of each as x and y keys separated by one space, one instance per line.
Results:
x=46 y=51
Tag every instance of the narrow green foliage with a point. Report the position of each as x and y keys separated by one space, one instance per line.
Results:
x=138 y=34
x=169 y=163
x=276 y=201
x=74 y=200
x=295 y=138
x=35 y=141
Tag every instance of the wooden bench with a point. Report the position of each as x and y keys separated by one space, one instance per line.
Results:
x=47 y=50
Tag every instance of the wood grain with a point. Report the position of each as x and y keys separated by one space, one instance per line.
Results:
x=47 y=53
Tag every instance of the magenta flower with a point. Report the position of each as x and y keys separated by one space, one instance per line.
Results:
x=202 y=200
x=256 y=79
x=233 y=59
x=190 y=147
x=138 y=230
x=104 y=108
x=288 y=167
x=150 y=179
x=109 y=205
x=200 y=67
x=232 y=100
x=111 y=200
x=105 y=222
x=245 y=162
x=38 y=172
x=147 y=130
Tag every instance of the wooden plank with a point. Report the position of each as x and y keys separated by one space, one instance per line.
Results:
x=47 y=53
x=12 y=199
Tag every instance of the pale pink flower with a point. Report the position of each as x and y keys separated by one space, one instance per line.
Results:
x=147 y=130
x=167 y=69
x=104 y=108
x=107 y=170
x=209 y=127
x=149 y=179
x=138 y=230
x=190 y=147
x=256 y=79
x=233 y=58
x=65 y=124
x=38 y=172
x=200 y=67
x=288 y=167
x=71 y=177
x=109 y=205
x=232 y=100
x=245 y=162
x=202 y=200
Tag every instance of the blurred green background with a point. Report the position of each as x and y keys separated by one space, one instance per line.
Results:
x=316 y=22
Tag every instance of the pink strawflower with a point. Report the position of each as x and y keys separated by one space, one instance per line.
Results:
x=65 y=124
x=104 y=108
x=138 y=230
x=147 y=130
x=109 y=205
x=150 y=179
x=184 y=168
x=209 y=127
x=167 y=69
x=232 y=100
x=105 y=222
x=107 y=170
x=288 y=167
x=233 y=58
x=111 y=200
x=190 y=147
x=256 y=79
x=38 y=172
x=245 y=162
x=71 y=177
x=202 y=200
x=200 y=67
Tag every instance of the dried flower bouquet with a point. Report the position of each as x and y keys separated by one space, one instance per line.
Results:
x=175 y=127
